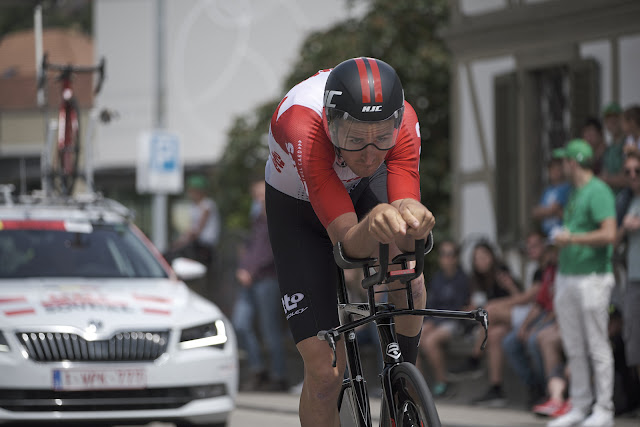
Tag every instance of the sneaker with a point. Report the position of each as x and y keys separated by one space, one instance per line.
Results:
x=570 y=419
x=547 y=408
x=493 y=398
x=439 y=389
x=566 y=407
x=599 y=418
x=255 y=382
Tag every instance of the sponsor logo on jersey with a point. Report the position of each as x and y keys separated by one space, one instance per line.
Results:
x=290 y=304
x=393 y=351
x=371 y=108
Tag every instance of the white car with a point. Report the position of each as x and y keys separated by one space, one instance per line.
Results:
x=95 y=326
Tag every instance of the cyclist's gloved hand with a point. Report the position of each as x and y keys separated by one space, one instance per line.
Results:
x=386 y=223
x=420 y=221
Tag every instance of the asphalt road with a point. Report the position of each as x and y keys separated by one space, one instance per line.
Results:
x=281 y=410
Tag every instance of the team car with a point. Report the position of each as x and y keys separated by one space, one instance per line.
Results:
x=96 y=327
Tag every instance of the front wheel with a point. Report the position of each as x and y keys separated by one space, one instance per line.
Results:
x=411 y=398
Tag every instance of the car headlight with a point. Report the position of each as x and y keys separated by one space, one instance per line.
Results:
x=4 y=345
x=207 y=335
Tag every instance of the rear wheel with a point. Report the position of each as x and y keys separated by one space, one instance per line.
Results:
x=411 y=398
x=68 y=148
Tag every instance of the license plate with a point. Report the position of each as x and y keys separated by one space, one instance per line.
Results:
x=99 y=379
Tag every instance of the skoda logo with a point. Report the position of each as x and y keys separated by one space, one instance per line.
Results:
x=94 y=326
x=393 y=350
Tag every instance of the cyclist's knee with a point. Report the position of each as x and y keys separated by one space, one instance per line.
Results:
x=319 y=375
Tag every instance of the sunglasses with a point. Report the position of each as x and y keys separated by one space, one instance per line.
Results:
x=627 y=171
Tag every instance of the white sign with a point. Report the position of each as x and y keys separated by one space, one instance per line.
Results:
x=159 y=163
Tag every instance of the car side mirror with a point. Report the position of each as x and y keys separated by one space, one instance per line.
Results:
x=188 y=269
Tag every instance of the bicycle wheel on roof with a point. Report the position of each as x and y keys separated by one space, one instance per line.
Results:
x=68 y=147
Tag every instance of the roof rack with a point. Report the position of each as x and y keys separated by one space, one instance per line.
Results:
x=91 y=200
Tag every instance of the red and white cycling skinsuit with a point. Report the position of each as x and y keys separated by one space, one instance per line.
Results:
x=312 y=181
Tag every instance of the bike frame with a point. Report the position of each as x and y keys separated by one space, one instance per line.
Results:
x=382 y=315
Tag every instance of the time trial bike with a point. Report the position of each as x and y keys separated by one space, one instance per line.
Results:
x=406 y=399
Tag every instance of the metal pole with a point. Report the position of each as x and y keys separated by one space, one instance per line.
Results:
x=159 y=206
x=37 y=27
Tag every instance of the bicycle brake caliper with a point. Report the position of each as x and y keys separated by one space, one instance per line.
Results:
x=331 y=337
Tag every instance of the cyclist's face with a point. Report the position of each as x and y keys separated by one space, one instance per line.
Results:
x=368 y=136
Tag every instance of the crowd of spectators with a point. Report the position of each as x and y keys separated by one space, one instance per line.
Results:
x=580 y=363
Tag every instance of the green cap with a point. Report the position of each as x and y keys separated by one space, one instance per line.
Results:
x=576 y=149
x=198 y=182
x=611 y=109
x=557 y=153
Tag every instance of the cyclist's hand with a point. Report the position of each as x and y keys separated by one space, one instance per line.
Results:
x=420 y=221
x=386 y=223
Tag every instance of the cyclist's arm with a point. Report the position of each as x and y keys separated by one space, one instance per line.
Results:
x=361 y=239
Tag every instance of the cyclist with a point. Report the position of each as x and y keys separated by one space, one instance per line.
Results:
x=343 y=167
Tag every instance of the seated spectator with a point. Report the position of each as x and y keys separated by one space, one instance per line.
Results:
x=550 y=345
x=490 y=281
x=548 y=211
x=592 y=133
x=520 y=345
x=612 y=172
x=448 y=290
x=631 y=128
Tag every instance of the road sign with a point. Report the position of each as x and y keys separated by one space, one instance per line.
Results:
x=159 y=163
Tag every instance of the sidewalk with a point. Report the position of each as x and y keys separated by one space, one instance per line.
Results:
x=451 y=415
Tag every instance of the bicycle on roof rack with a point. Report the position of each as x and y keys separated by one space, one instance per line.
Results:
x=406 y=399
x=62 y=171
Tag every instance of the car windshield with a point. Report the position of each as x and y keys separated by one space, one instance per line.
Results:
x=99 y=250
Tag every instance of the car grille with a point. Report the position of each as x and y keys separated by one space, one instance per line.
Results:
x=16 y=400
x=121 y=347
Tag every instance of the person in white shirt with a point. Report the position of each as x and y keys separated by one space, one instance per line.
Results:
x=200 y=240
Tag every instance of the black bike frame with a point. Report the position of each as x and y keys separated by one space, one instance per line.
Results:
x=383 y=315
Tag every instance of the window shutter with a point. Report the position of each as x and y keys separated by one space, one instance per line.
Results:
x=584 y=93
x=507 y=154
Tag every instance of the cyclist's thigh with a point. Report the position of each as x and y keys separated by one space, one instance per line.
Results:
x=307 y=273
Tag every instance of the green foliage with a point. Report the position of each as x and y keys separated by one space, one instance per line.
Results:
x=403 y=33
x=18 y=15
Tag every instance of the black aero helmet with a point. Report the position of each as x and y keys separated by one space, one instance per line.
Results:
x=363 y=91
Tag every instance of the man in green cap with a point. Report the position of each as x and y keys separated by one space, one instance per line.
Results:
x=583 y=290
x=200 y=239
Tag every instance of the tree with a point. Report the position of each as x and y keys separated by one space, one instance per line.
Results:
x=403 y=33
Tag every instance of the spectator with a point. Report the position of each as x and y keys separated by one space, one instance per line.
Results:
x=448 y=290
x=583 y=290
x=613 y=157
x=520 y=345
x=630 y=229
x=506 y=314
x=631 y=128
x=199 y=241
x=490 y=280
x=549 y=209
x=593 y=134
x=550 y=344
x=259 y=295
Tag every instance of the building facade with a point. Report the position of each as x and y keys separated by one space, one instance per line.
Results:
x=525 y=76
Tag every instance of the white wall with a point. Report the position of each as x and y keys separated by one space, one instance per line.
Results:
x=629 y=70
x=223 y=58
